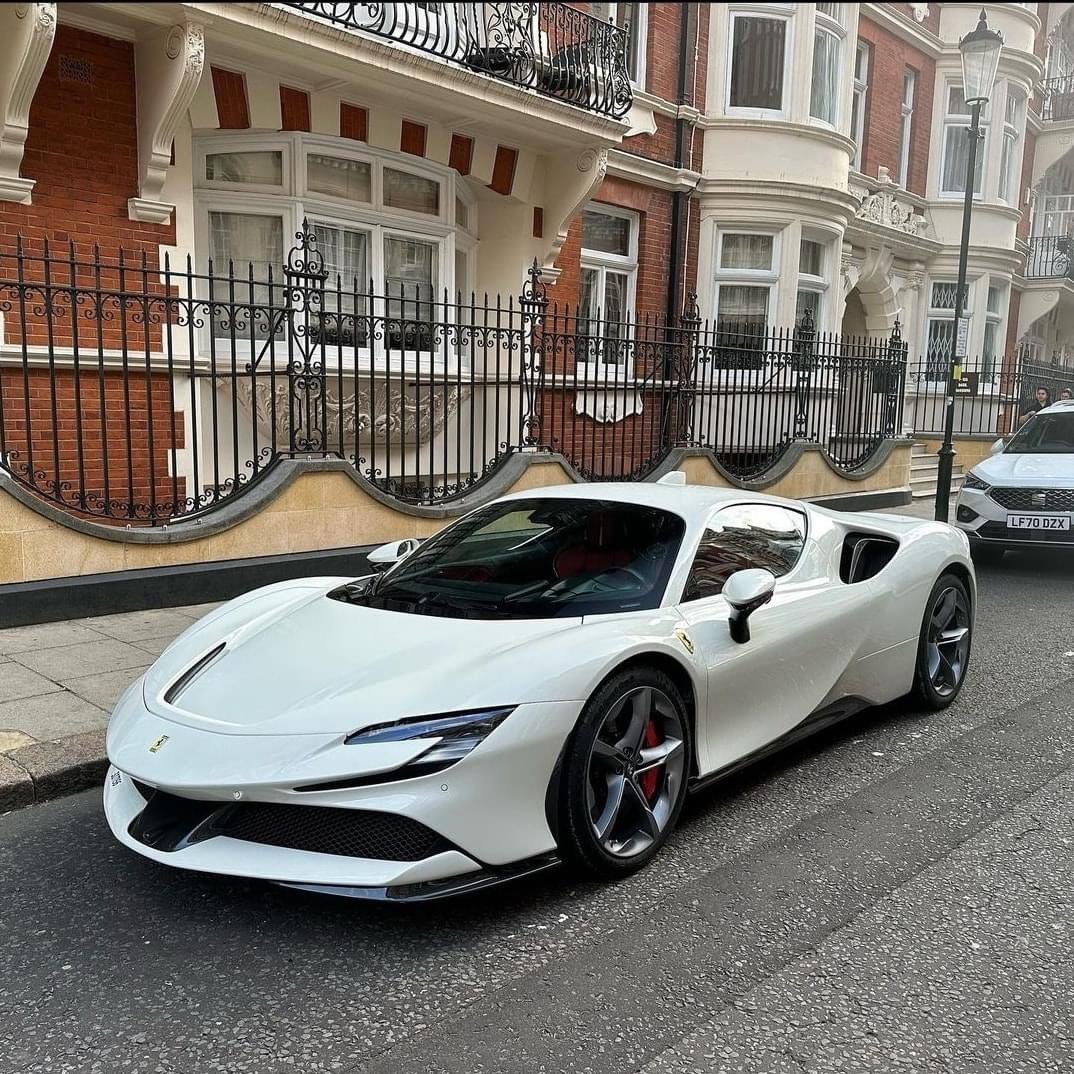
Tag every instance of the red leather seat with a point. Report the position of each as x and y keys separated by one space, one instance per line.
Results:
x=600 y=551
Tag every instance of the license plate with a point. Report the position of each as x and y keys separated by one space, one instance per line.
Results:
x=1038 y=522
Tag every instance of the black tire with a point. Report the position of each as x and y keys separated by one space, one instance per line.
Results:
x=597 y=763
x=941 y=665
x=986 y=554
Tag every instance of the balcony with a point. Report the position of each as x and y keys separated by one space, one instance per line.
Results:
x=1058 y=99
x=550 y=48
x=1050 y=257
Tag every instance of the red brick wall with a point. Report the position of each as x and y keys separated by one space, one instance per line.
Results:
x=654 y=237
x=1012 y=321
x=75 y=423
x=889 y=60
x=603 y=449
x=82 y=150
x=932 y=19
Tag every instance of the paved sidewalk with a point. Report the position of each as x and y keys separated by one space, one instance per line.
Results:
x=58 y=684
x=60 y=681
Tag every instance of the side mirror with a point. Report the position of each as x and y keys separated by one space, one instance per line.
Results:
x=389 y=554
x=996 y=448
x=745 y=592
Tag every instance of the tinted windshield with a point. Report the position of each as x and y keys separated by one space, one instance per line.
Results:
x=536 y=559
x=1046 y=434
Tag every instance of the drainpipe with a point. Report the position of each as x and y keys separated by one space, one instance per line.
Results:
x=679 y=205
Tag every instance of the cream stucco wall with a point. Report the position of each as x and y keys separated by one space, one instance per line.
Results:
x=324 y=510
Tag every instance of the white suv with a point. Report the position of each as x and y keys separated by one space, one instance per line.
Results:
x=1023 y=494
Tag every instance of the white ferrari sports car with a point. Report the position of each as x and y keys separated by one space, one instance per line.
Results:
x=543 y=681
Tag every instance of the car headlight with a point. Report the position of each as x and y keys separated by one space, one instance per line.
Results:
x=457 y=733
x=972 y=481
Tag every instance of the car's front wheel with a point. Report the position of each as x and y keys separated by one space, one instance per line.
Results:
x=943 y=649
x=624 y=775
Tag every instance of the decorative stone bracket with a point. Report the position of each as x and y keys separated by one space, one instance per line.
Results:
x=572 y=181
x=26 y=35
x=168 y=67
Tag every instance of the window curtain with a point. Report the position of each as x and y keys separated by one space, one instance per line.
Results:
x=743 y=307
x=249 y=245
x=746 y=252
x=823 y=96
x=757 y=63
x=410 y=278
x=346 y=258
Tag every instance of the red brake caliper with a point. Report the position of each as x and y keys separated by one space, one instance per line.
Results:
x=650 y=781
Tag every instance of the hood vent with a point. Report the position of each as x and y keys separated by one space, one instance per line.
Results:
x=191 y=674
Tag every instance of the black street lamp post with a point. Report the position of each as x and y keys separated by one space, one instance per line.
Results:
x=980 y=59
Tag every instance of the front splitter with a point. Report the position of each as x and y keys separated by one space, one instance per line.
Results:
x=430 y=890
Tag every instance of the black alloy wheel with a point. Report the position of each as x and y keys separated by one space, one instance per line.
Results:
x=625 y=774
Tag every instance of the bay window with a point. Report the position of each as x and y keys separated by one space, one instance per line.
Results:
x=827 y=61
x=394 y=234
x=757 y=68
x=956 y=146
x=609 y=276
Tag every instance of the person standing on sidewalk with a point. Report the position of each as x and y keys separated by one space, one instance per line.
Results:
x=1042 y=399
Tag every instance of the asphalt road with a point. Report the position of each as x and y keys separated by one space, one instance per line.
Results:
x=895 y=896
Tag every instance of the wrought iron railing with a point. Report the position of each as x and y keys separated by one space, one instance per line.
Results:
x=991 y=393
x=1059 y=99
x=142 y=396
x=551 y=48
x=1050 y=257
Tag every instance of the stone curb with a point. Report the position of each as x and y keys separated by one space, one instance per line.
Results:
x=46 y=770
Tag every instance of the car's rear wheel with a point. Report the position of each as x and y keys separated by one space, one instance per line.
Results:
x=624 y=775
x=943 y=650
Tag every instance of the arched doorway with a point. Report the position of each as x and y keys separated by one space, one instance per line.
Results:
x=853 y=316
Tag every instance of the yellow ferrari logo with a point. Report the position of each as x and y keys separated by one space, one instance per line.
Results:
x=687 y=644
x=155 y=747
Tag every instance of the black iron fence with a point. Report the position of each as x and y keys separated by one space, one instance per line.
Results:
x=1050 y=257
x=557 y=50
x=141 y=395
x=991 y=393
x=1059 y=99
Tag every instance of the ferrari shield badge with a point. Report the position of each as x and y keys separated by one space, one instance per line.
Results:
x=155 y=746
x=687 y=644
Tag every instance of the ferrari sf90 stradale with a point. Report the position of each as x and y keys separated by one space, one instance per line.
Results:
x=545 y=680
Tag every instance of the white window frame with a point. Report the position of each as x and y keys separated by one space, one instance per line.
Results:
x=602 y=262
x=1010 y=157
x=212 y=146
x=1051 y=207
x=760 y=11
x=814 y=284
x=860 y=97
x=833 y=28
x=947 y=314
x=610 y=13
x=293 y=201
x=906 y=123
x=748 y=277
x=961 y=121
x=995 y=318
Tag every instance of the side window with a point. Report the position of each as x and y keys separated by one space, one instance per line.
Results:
x=741 y=537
